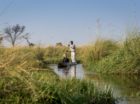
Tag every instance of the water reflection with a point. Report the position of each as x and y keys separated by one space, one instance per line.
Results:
x=125 y=87
x=74 y=71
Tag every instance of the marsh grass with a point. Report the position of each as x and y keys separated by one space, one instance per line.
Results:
x=51 y=90
x=93 y=53
x=54 y=54
x=104 y=56
x=110 y=57
x=23 y=82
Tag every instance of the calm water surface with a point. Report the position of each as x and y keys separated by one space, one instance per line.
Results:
x=126 y=88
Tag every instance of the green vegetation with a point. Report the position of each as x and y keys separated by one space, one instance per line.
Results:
x=126 y=85
x=55 y=54
x=26 y=79
x=106 y=56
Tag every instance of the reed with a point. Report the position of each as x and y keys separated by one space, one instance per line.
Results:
x=22 y=81
x=93 y=53
x=110 y=57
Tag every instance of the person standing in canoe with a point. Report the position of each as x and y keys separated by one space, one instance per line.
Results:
x=72 y=48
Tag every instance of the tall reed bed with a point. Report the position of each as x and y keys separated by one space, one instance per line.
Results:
x=54 y=54
x=38 y=57
x=22 y=83
x=45 y=89
x=110 y=57
x=93 y=53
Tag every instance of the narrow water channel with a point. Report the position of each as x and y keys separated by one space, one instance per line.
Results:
x=126 y=88
x=73 y=71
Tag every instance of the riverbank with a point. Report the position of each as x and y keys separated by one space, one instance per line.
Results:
x=104 y=56
x=110 y=57
x=22 y=81
x=26 y=77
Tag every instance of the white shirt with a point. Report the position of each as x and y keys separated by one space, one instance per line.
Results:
x=72 y=47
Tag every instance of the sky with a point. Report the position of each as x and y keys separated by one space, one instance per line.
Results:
x=83 y=21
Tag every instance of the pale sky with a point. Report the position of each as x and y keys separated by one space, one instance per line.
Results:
x=52 y=21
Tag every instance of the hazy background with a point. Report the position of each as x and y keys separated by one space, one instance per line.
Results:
x=83 y=21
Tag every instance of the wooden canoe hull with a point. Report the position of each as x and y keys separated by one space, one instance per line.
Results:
x=64 y=65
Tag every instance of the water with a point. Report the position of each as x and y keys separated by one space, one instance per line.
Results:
x=126 y=88
x=73 y=71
